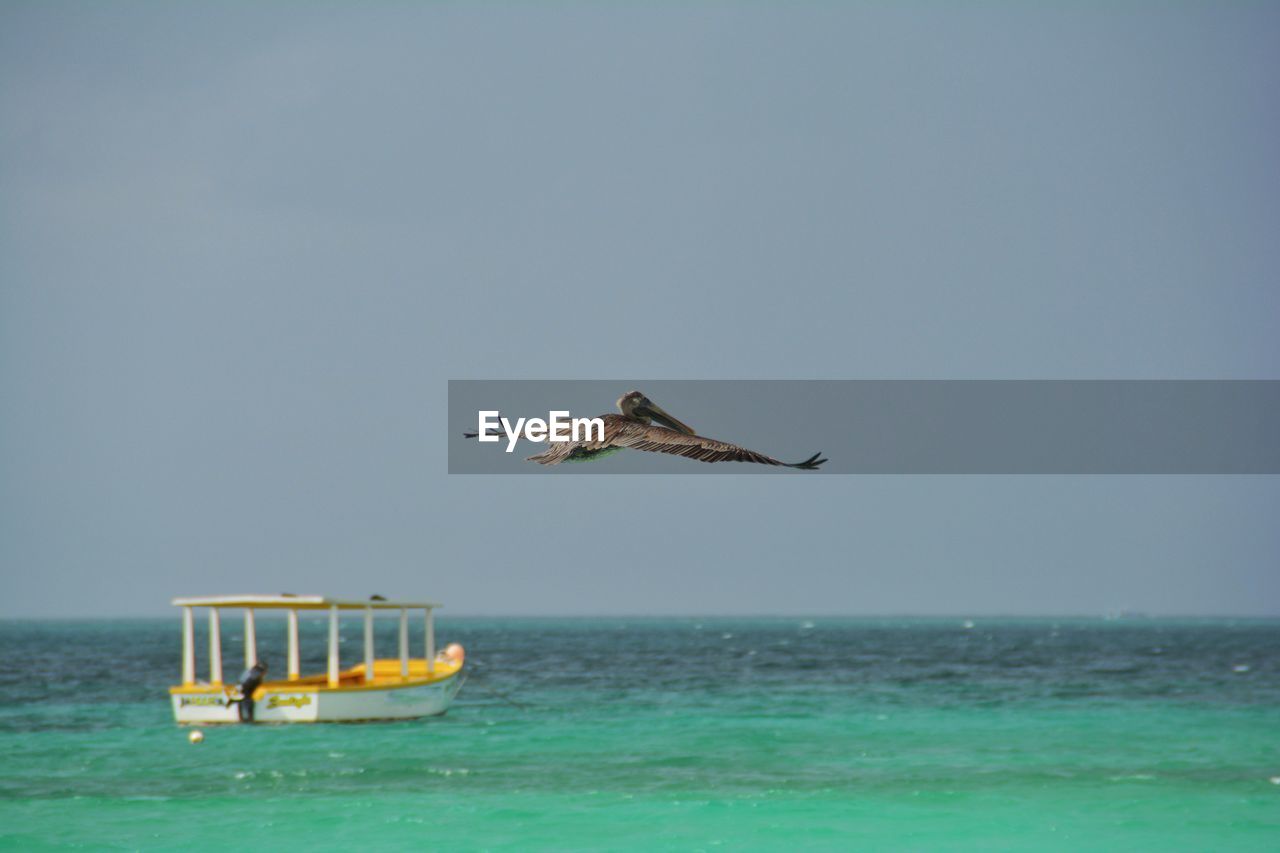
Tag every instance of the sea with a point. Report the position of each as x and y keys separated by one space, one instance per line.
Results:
x=671 y=734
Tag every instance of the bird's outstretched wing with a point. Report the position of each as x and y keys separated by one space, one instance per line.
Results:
x=621 y=432
x=659 y=439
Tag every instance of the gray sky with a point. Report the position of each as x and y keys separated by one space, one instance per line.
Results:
x=243 y=247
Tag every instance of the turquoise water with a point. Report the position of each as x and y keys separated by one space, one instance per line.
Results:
x=680 y=734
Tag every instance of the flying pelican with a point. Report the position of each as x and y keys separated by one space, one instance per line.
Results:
x=635 y=429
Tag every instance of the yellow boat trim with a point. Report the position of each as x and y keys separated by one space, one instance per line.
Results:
x=386 y=675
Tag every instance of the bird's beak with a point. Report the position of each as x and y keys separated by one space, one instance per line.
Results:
x=655 y=411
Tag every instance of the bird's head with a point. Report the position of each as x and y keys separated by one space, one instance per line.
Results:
x=639 y=407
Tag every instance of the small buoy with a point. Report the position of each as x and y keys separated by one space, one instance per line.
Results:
x=455 y=653
x=195 y=736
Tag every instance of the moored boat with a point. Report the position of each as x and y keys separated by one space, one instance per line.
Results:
x=397 y=688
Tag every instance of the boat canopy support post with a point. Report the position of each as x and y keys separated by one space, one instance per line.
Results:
x=294 y=668
x=215 y=647
x=431 y=641
x=250 y=640
x=333 y=645
x=368 y=644
x=188 y=647
x=404 y=642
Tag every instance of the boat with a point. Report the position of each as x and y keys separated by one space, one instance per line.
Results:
x=399 y=688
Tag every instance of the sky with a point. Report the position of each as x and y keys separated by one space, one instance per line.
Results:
x=244 y=247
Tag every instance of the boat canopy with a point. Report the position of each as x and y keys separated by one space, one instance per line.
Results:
x=300 y=602
x=292 y=604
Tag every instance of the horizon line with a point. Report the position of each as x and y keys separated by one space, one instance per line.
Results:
x=1118 y=616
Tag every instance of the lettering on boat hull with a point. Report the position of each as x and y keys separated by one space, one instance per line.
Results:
x=320 y=706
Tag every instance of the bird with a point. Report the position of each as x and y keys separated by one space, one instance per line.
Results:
x=635 y=429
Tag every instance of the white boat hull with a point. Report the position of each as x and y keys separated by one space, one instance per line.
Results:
x=307 y=704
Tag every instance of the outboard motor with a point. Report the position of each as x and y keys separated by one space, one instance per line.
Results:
x=250 y=679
